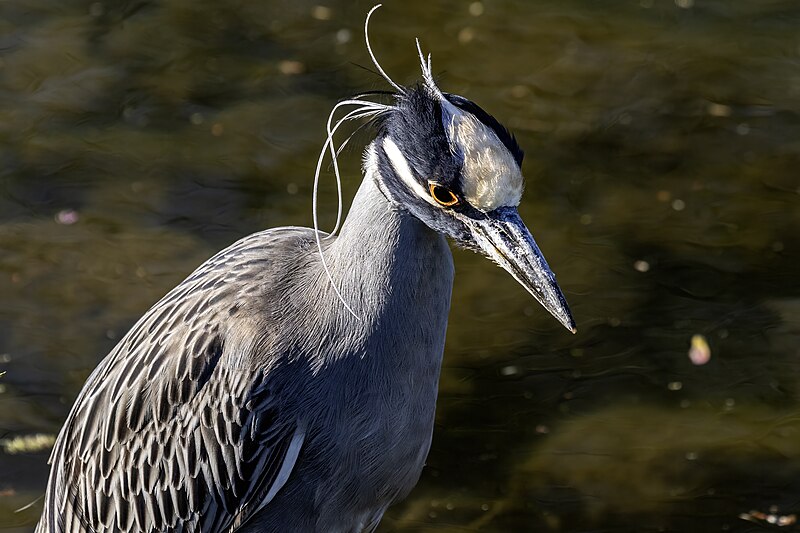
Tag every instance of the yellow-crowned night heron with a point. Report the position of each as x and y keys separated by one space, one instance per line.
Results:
x=289 y=383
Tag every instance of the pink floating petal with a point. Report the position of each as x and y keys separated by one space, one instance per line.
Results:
x=699 y=352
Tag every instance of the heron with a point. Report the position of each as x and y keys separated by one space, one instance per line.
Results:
x=289 y=383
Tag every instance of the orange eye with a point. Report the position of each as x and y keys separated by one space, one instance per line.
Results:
x=443 y=196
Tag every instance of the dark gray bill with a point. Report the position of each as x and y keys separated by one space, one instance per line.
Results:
x=504 y=238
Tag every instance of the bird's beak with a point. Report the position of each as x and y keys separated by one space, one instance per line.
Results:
x=503 y=237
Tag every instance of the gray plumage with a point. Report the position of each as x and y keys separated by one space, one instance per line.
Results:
x=185 y=425
x=250 y=398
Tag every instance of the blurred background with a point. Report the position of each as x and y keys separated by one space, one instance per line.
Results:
x=662 y=144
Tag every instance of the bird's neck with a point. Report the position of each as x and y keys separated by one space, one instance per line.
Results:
x=387 y=261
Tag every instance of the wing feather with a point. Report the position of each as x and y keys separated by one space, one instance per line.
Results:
x=175 y=430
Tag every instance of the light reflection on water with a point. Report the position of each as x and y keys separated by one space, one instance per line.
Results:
x=139 y=139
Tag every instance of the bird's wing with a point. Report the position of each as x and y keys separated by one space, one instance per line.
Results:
x=177 y=429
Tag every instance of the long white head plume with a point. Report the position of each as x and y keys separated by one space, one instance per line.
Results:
x=363 y=109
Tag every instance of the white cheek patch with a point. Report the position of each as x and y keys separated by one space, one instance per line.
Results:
x=491 y=177
x=401 y=168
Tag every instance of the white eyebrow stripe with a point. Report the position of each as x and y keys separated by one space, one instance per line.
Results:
x=400 y=165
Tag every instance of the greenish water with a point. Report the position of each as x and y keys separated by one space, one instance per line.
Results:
x=662 y=159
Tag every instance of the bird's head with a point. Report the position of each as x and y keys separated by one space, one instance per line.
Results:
x=453 y=166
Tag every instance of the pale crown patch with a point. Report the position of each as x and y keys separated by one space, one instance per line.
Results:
x=491 y=177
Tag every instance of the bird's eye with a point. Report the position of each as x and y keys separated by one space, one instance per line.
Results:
x=442 y=195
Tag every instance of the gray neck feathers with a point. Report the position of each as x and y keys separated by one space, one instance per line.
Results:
x=391 y=269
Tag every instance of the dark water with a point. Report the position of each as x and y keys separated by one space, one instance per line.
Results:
x=663 y=155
